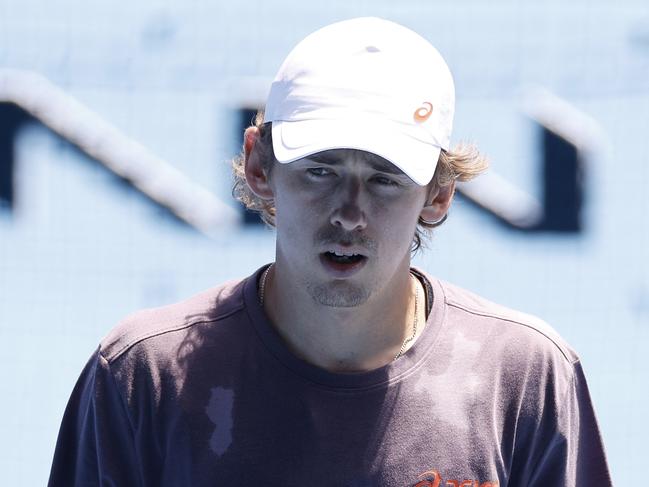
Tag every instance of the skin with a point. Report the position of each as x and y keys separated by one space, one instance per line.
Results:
x=353 y=200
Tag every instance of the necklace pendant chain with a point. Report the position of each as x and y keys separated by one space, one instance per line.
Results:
x=262 y=284
x=411 y=338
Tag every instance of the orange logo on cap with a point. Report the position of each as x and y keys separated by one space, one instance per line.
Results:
x=422 y=113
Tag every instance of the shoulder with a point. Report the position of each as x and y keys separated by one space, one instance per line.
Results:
x=172 y=323
x=520 y=355
x=465 y=308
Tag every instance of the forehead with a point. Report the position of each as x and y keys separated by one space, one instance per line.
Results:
x=335 y=157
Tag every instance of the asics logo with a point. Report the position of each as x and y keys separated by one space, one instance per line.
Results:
x=423 y=112
x=432 y=478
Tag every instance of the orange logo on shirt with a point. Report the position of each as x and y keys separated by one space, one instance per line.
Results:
x=432 y=478
x=423 y=112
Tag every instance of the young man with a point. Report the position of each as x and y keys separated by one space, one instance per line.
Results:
x=339 y=364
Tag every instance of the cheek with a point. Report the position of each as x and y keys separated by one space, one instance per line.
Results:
x=397 y=222
x=398 y=234
x=297 y=216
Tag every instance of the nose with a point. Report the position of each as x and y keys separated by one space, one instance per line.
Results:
x=348 y=213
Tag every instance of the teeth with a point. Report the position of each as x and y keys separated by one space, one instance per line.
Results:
x=343 y=254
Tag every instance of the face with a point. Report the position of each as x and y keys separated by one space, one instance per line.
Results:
x=345 y=221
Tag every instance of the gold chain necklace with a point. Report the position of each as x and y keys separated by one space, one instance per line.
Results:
x=406 y=341
x=262 y=284
x=414 y=324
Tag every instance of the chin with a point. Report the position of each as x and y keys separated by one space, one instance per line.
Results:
x=339 y=295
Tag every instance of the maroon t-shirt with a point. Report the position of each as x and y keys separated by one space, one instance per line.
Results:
x=206 y=393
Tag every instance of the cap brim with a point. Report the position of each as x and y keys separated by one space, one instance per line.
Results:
x=297 y=139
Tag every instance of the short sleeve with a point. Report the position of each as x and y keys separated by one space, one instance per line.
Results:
x=575 y=455
x=95 y=445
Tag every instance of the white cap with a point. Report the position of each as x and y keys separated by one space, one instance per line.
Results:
x=366 y=84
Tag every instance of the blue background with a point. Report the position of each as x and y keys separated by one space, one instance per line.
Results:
x=81 y=248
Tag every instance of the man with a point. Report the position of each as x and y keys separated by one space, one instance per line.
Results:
x=339 y=364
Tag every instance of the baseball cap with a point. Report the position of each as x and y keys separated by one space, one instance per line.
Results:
x=367 y=84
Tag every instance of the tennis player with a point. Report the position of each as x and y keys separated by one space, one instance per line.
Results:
x=339 y=364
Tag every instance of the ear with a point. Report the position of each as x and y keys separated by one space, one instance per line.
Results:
x=438 y=201
x=256 y=175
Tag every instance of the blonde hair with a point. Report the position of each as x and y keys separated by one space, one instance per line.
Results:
x=463 y=163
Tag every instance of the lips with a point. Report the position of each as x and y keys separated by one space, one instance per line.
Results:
x=343 y=253
x=342 y=263
x=343 y=257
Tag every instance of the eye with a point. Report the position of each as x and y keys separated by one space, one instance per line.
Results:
x=384 y=180
x=318 y=172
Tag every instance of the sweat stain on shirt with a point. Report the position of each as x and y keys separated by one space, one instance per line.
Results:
x=219 y=410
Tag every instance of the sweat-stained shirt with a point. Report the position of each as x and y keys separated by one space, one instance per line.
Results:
x=206 y=393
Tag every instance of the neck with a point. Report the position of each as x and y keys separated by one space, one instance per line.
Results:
x=345 y=339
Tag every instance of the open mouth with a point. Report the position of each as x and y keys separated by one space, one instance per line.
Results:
x=341 y=263
x=343 y=258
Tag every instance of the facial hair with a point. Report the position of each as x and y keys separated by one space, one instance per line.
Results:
x=341 y=294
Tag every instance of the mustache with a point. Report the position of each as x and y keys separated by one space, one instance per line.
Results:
x=336 y=235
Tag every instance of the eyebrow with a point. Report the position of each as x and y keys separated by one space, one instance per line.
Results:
x=378 y=163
